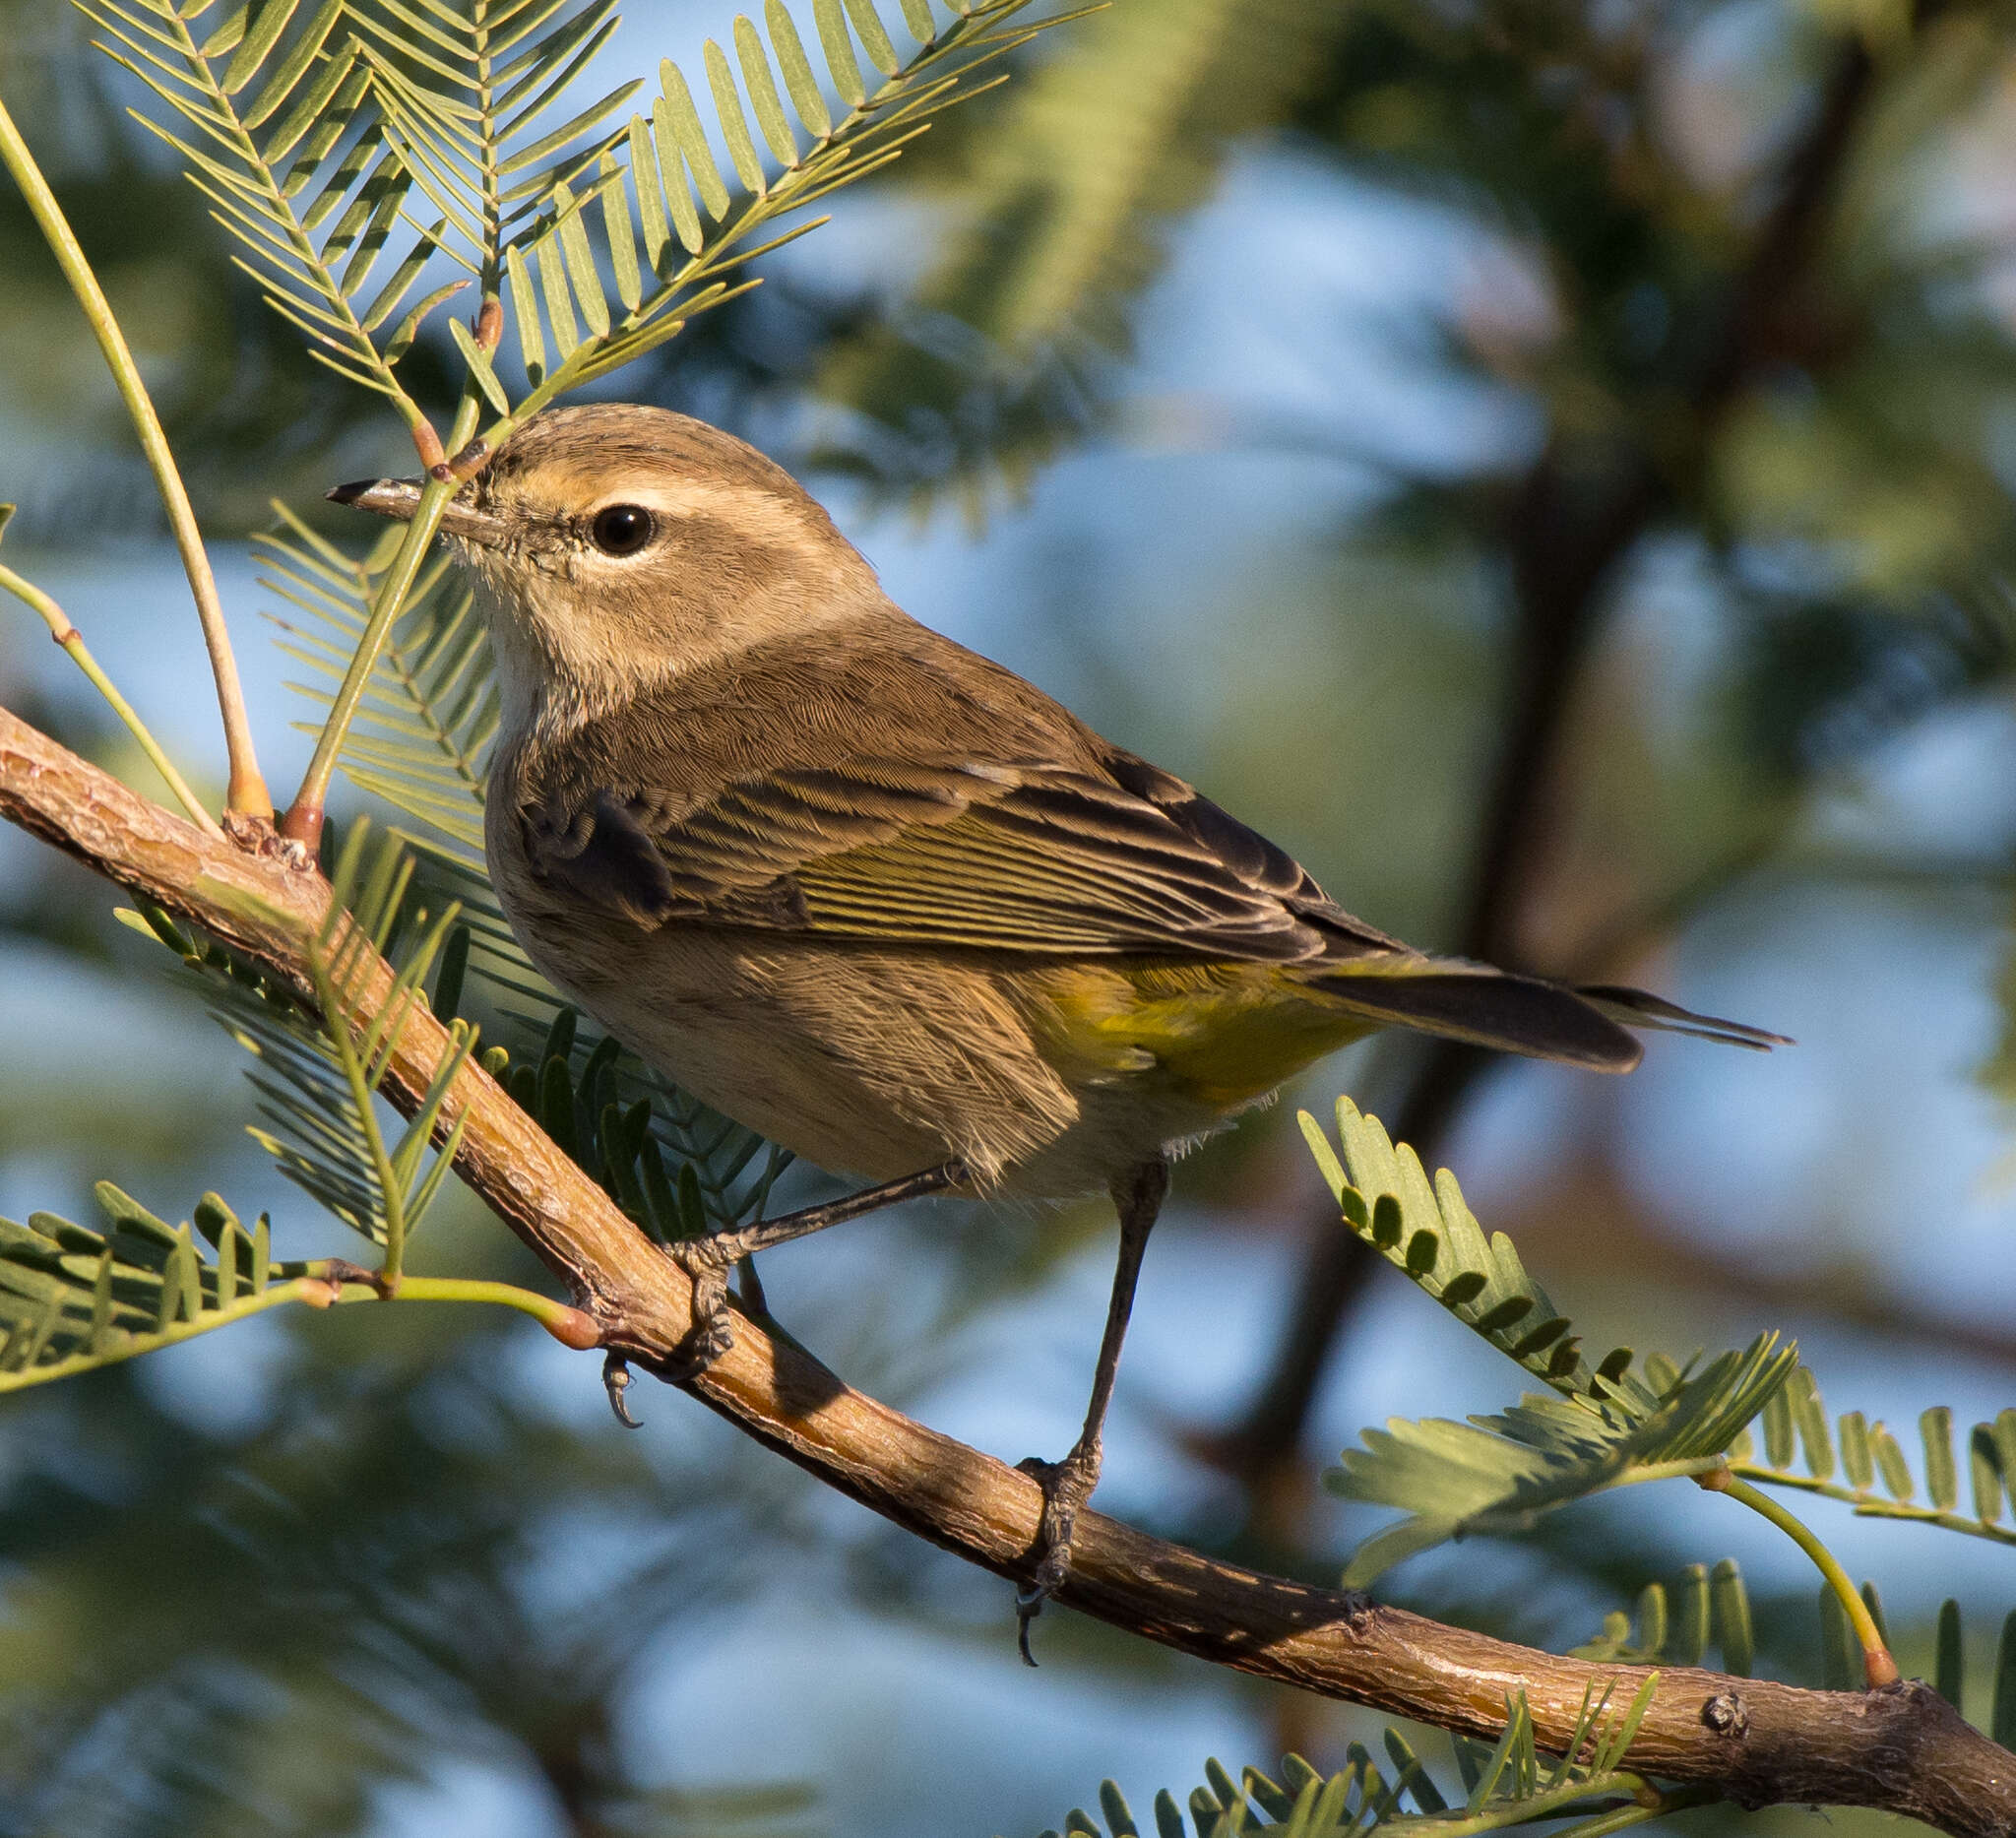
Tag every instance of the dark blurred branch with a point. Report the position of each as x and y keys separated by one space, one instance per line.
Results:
x=1571 y=521
x=1902 y=1748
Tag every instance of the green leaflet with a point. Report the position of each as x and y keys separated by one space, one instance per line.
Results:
x=1865 y=1464
x=73 y=1298
x=1427 y=1230
x=318 y=1071
x=1497 y=1787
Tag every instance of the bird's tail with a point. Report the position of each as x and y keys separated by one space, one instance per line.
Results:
x=1635 y=1008
x=1527 y=1015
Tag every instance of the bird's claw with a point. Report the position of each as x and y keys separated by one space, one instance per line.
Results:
x=1067 y=1484
x=617 y=1381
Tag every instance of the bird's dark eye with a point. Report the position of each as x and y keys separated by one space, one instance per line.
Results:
x=622 y=529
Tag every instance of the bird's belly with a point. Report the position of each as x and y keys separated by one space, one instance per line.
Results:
x=880 y=1063
x=693 y=1005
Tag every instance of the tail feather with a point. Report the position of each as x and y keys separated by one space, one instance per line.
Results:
x=1582 y=1027
x=1490 y=1008
x=1637 y=1009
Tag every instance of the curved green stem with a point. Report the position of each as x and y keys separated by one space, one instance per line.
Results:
x=1877 y=1664
x=247 y=791
x=303 y=820
x=71 y=641
x=563 y=1322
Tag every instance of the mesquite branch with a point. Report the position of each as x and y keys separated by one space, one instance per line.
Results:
x=1902 y=1748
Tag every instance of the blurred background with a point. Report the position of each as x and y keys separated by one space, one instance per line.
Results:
x=1548 y=463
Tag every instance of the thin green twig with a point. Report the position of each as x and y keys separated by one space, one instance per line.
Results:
x=1869 y=1506
x=303 y=820
x=323 y=1285
x=71 y=641
x=1652 y=1806
x=246 y=793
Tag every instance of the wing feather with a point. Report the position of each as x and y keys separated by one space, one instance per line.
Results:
x=1041 y=858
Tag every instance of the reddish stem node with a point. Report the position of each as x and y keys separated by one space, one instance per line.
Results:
x=574 y=1327
x=303 y=824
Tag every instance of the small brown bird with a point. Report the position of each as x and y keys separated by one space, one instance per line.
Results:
x=880 y=898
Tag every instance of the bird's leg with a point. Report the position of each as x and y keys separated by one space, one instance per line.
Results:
x=1067 y=1484
x=709 y=1260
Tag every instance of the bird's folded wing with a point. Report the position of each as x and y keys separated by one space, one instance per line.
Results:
x=1031 y=857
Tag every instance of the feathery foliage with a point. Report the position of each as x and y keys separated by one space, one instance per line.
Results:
x=651 y=190
x=280 y=128
x=1804 y=1451
x=1675 y=1628
x=1430 y=1234
x=422 y=737
x=73 y=1298
x=466 y=98
x=1504 y=1785
x=317 y=1081
x=1500 y=1473
x=1607 y=1428
x=316 y=138
x=617 y=1121
x=1062 y=204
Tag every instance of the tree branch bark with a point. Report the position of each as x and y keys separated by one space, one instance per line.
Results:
x=1903 y=1748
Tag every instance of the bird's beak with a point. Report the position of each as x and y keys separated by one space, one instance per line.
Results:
x=400 y=498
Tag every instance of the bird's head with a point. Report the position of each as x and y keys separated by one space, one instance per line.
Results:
x=617 y=545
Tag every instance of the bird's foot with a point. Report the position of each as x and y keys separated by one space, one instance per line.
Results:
x=1067 y=1484
x=708 y=1262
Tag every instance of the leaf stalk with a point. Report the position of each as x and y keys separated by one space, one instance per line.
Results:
x=246 y=793
x=1879 y=1667
x=567 y=1324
